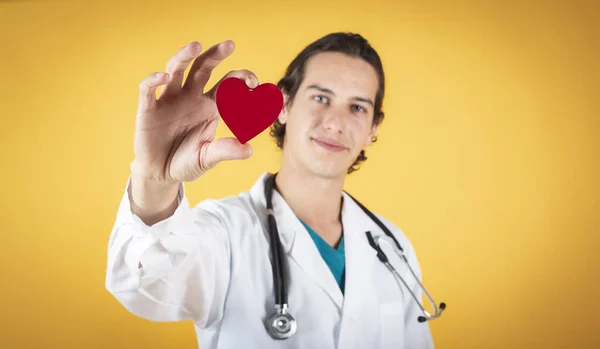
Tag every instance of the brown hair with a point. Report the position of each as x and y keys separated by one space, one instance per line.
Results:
x=348 y=43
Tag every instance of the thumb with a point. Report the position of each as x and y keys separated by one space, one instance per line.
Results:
x=224 y=149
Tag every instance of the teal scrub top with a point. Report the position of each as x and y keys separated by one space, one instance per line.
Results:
x=334 y=257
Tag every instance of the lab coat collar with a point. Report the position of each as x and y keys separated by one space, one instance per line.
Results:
x=297 y=243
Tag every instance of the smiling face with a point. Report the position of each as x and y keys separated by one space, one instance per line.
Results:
x=330 y=119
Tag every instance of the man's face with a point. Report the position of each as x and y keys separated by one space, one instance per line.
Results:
x=331 y=117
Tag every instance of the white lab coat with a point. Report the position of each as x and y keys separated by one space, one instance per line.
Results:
x=211 y=264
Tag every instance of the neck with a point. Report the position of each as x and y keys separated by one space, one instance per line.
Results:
x=315 y=200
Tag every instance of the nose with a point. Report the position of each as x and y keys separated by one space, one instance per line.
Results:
x=334 y=120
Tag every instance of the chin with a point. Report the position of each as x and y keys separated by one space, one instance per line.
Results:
x=328 y=169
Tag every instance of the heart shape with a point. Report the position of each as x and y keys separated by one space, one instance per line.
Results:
x=248 y=112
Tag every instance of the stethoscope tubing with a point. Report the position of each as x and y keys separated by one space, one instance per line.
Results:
x=279 y=273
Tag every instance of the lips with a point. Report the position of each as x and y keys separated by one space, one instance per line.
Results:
x=329 y=144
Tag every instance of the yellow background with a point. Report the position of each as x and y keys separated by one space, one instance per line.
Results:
x=488 y=157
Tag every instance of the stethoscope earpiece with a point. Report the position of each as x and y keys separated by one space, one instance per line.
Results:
x=374 y=242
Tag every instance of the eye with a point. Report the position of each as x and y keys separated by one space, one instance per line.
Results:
x=321 y=99
x=358 y=108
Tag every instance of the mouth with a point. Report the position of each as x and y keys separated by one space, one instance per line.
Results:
x=329 y=144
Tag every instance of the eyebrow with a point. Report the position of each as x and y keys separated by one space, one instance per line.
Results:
x=326 y=90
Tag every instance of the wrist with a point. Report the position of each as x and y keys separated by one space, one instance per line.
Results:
x=152 y=200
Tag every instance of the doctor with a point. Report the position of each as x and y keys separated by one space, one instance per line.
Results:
x=294 y=262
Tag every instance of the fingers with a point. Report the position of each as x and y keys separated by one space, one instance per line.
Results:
x=223 y=149
x=148 y=86
x=246 y=75
x=178 y=64
x=203 y=65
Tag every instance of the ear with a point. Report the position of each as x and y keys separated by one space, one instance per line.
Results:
x=371 y=135
x=283 y=115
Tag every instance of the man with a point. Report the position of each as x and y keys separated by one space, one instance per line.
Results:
x=217 y=263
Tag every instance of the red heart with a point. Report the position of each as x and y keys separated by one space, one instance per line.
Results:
x=248 y=112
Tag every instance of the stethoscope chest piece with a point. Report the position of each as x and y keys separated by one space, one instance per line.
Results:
x=281 y=325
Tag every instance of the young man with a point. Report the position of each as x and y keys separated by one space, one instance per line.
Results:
x=291 y=263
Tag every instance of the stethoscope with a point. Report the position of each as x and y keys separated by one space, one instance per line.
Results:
x=281 y=324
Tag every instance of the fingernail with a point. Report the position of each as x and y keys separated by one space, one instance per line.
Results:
x=227 y=43
x=194 y=45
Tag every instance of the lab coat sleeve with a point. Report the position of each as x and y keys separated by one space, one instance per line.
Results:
x=184 y=259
